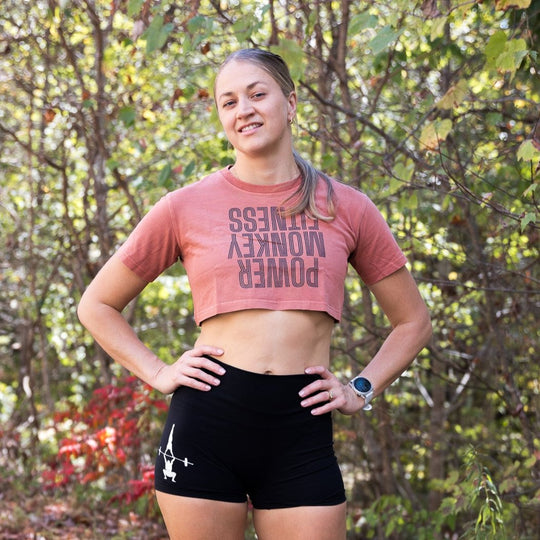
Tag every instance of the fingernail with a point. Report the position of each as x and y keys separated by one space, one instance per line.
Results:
x=301 y=393
x=221 y=371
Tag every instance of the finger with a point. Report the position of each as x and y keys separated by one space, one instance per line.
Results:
x=325 y=396
x=313 y=388
x=318 y=370
x=196 y=357
x=197 y=372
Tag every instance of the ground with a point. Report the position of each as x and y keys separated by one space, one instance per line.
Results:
x=44 y=517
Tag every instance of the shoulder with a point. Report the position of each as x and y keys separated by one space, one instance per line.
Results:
x=347 y=197
x=198 y=187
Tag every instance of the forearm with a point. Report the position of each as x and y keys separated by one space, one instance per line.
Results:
x=397 y=353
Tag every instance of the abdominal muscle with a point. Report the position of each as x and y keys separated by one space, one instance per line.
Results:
x=272 y=342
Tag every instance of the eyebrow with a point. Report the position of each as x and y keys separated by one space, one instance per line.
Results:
x=248 y=87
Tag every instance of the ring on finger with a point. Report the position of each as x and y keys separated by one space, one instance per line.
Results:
x=330 y=395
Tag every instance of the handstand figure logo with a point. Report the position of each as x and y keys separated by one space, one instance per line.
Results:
x=170 y=458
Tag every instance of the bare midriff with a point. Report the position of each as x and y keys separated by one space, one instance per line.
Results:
x=271 y=342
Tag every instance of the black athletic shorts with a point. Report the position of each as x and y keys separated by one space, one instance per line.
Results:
x=249 y=436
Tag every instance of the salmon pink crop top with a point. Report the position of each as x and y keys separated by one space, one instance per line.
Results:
x=240 y=252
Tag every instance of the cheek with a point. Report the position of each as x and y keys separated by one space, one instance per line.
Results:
x=227 y=123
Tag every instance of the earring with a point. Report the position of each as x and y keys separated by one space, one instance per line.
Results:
x=291 y=120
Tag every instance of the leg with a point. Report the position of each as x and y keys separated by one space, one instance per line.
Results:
x=301 y=523
x=188 y=518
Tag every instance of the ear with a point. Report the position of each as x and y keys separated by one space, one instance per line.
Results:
x=291 y=105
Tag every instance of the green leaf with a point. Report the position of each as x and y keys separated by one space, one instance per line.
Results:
x=527 y=151
x=437 y=28
x=529 y=217
x=190 y=169
x=515 y=51
x=404 y=171
x=360 y=22
x=127 y=115
x=89 y=103
x=156 y=34
x=530 y=190
x=112 y=164
x=165 y=174
x=199 y=23
x=134 y=7
x=384 y=37
x=495 y=46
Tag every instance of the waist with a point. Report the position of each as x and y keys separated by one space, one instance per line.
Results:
x=270 y=342
x=264 y=397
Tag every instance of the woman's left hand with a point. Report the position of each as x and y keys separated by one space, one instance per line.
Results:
x=328 y=394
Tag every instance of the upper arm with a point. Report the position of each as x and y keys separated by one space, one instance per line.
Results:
x=115 y=285
x=400 y=299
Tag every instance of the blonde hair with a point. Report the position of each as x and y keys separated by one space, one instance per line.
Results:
x=305 y=195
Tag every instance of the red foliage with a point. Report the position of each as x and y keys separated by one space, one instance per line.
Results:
x=106 y=435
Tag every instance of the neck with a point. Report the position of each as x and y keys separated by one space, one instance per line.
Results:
x=263 y=171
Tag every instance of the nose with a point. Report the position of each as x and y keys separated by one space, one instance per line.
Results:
x=244 y=108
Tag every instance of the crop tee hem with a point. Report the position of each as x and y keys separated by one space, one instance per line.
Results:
x=240 y=251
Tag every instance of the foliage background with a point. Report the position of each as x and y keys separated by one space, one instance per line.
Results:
x=431 y=108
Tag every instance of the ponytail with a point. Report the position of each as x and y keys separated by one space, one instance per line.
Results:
x=305 y=195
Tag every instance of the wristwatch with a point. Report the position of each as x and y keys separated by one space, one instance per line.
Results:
x=363 y=388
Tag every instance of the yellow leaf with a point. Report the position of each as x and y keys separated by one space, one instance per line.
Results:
x=434 y=133
x=512 y=4
x=454 y=95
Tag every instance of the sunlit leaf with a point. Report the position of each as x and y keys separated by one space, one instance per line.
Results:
x=384 y=37
x=527 y=151
x=454 y=95
x=134 y=7
x=360 y=22
x=512 y=4
x=434 y=133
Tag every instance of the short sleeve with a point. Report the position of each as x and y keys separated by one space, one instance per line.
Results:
x=152 y=247
x=377 y=254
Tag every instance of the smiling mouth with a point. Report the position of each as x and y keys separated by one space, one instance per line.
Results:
x=249 y=128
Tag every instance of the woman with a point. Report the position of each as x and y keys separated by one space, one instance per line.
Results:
x=266 y=244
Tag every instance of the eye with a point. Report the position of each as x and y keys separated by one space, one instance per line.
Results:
x=258 y=95
x=227 y=104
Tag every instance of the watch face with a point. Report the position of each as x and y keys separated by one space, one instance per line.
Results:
x=362 y=384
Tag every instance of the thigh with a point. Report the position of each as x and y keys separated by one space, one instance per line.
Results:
x=189 y=518
x=301 y=523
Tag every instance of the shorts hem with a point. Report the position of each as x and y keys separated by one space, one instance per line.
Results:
x=281 y=505
x=200 y=495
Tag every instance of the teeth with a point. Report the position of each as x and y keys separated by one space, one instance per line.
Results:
x=249 y=128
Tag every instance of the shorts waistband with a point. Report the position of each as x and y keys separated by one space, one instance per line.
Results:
x=254 y=374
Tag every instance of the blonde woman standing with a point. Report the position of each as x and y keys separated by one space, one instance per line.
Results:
x=266 y=244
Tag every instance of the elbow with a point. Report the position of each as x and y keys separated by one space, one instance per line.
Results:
x=426 y=328
x=83 y=310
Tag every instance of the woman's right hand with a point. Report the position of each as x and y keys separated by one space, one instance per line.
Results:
x=191 y=369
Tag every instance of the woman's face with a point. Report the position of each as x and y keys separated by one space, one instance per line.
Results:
x=253 y=110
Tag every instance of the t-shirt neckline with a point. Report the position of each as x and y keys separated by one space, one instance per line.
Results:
x=259 y=188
